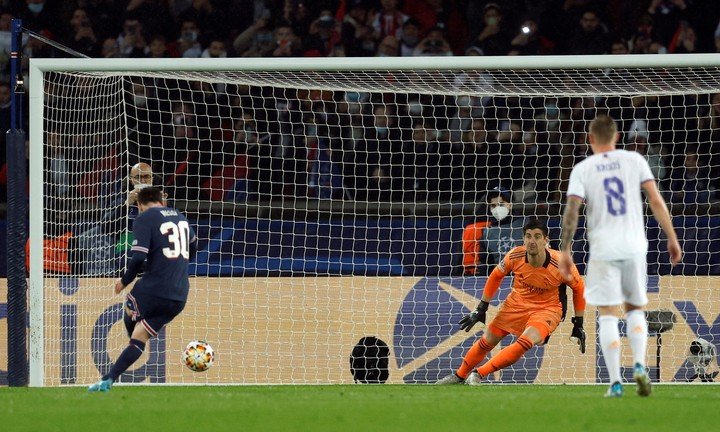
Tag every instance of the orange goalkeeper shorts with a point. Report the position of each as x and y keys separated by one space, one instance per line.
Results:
x=515 y=320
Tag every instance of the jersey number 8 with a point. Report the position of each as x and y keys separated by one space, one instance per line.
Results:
x=179 y=238
x=615 y=196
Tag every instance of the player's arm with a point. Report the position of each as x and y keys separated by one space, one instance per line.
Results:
x=577 y=284
x=662 y=215
x=139 y=251
x=569 y=226
x=491 y=287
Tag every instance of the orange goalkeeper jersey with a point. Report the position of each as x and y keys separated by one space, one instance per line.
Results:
x=538 y=286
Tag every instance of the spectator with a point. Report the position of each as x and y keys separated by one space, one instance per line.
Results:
x=477 y=161
x=215 y=50
x=434 y=44
x=590 y=37
x=691 y=183
x=154 y=15
x=110 y=48
x=83 y=39
x=209 y=17
x=324 y=38
x=461 y=121
x=255 y=41
x=358 y=37
x=684 y=40
x=619 y=46
x=494 y=39
x=442 y=14
x=666 y=15
x=131 y=40
x=422 y=159
x=501 y=233
x=645 y=41
x=287 y=44
x=39 y=17
x=158 y=47
x=410 y=37
x=59 y=169
x=637 y=142
x=188 y=45
x=529 y=41
x=389 y=20
x=389 y=47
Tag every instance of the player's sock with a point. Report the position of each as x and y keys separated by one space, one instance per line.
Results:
x=507 y=356
x=130 y=354
x=129 y=324
x=637 y=334
x=610 y=345
x=475 y=355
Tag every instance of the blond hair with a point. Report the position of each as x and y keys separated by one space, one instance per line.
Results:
x=603 y=129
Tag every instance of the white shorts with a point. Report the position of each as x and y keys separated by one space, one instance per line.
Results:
x=611 y=283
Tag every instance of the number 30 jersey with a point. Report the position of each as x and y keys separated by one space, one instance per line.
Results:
x=165 y=235
x=610 y=183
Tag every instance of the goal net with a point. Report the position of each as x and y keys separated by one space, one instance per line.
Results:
x=337 y=199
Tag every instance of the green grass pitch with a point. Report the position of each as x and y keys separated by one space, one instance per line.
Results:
x=517 y=408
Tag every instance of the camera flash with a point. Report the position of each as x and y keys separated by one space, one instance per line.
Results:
x=525 y=29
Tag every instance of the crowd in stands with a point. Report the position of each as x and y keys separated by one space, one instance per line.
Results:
x=380 y=147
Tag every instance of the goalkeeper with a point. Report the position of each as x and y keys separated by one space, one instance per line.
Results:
x=532 y=311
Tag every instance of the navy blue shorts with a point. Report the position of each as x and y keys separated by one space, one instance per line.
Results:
x=152 y=312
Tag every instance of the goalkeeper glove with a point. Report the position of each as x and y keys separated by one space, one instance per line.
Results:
x=478 y=315
x=578 y=334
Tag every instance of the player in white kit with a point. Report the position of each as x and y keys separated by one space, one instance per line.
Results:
x=610 y=182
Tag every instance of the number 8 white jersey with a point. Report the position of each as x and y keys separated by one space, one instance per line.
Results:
x=610 y=183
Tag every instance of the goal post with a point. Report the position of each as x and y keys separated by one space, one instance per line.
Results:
x=330 y=198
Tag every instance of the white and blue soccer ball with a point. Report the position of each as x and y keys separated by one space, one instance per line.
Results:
x=198 y=356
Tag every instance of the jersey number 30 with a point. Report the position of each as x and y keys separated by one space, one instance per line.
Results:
x=615 y=196
x=179 y=238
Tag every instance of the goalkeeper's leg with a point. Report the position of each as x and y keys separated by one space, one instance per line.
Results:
x=533 y=335
x=479 y=350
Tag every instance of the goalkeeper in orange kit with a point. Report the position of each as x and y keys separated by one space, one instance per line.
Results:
x=531 y=312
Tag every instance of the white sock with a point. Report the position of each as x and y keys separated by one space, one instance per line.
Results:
x=610 y=345
x=637 y=333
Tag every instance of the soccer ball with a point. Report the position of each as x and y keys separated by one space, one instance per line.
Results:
x=198 y=356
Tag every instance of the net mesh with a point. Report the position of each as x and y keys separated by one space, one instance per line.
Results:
x=330 y=206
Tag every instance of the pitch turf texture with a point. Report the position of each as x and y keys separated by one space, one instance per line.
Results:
x=517 y=408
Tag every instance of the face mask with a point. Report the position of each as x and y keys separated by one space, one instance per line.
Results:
x=500 y=212
x=140 y=186
x=491 y=21
x=551 y=110
x=414 y=108
x=353 y=107
x=381 y=130
x=139 y=101
x=311 y=131
x=190 y=36
x=463 y=101
x=410 y=41
x=36 y=8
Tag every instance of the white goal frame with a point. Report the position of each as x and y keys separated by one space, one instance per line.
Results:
x=36 y=85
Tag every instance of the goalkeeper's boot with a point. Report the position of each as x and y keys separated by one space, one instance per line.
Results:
x=474 y=379
x=644 y=385
x=450 y=379
x=615 y=390
x=101 y=386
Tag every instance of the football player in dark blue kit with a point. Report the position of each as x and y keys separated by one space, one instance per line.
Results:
x=164 y=237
